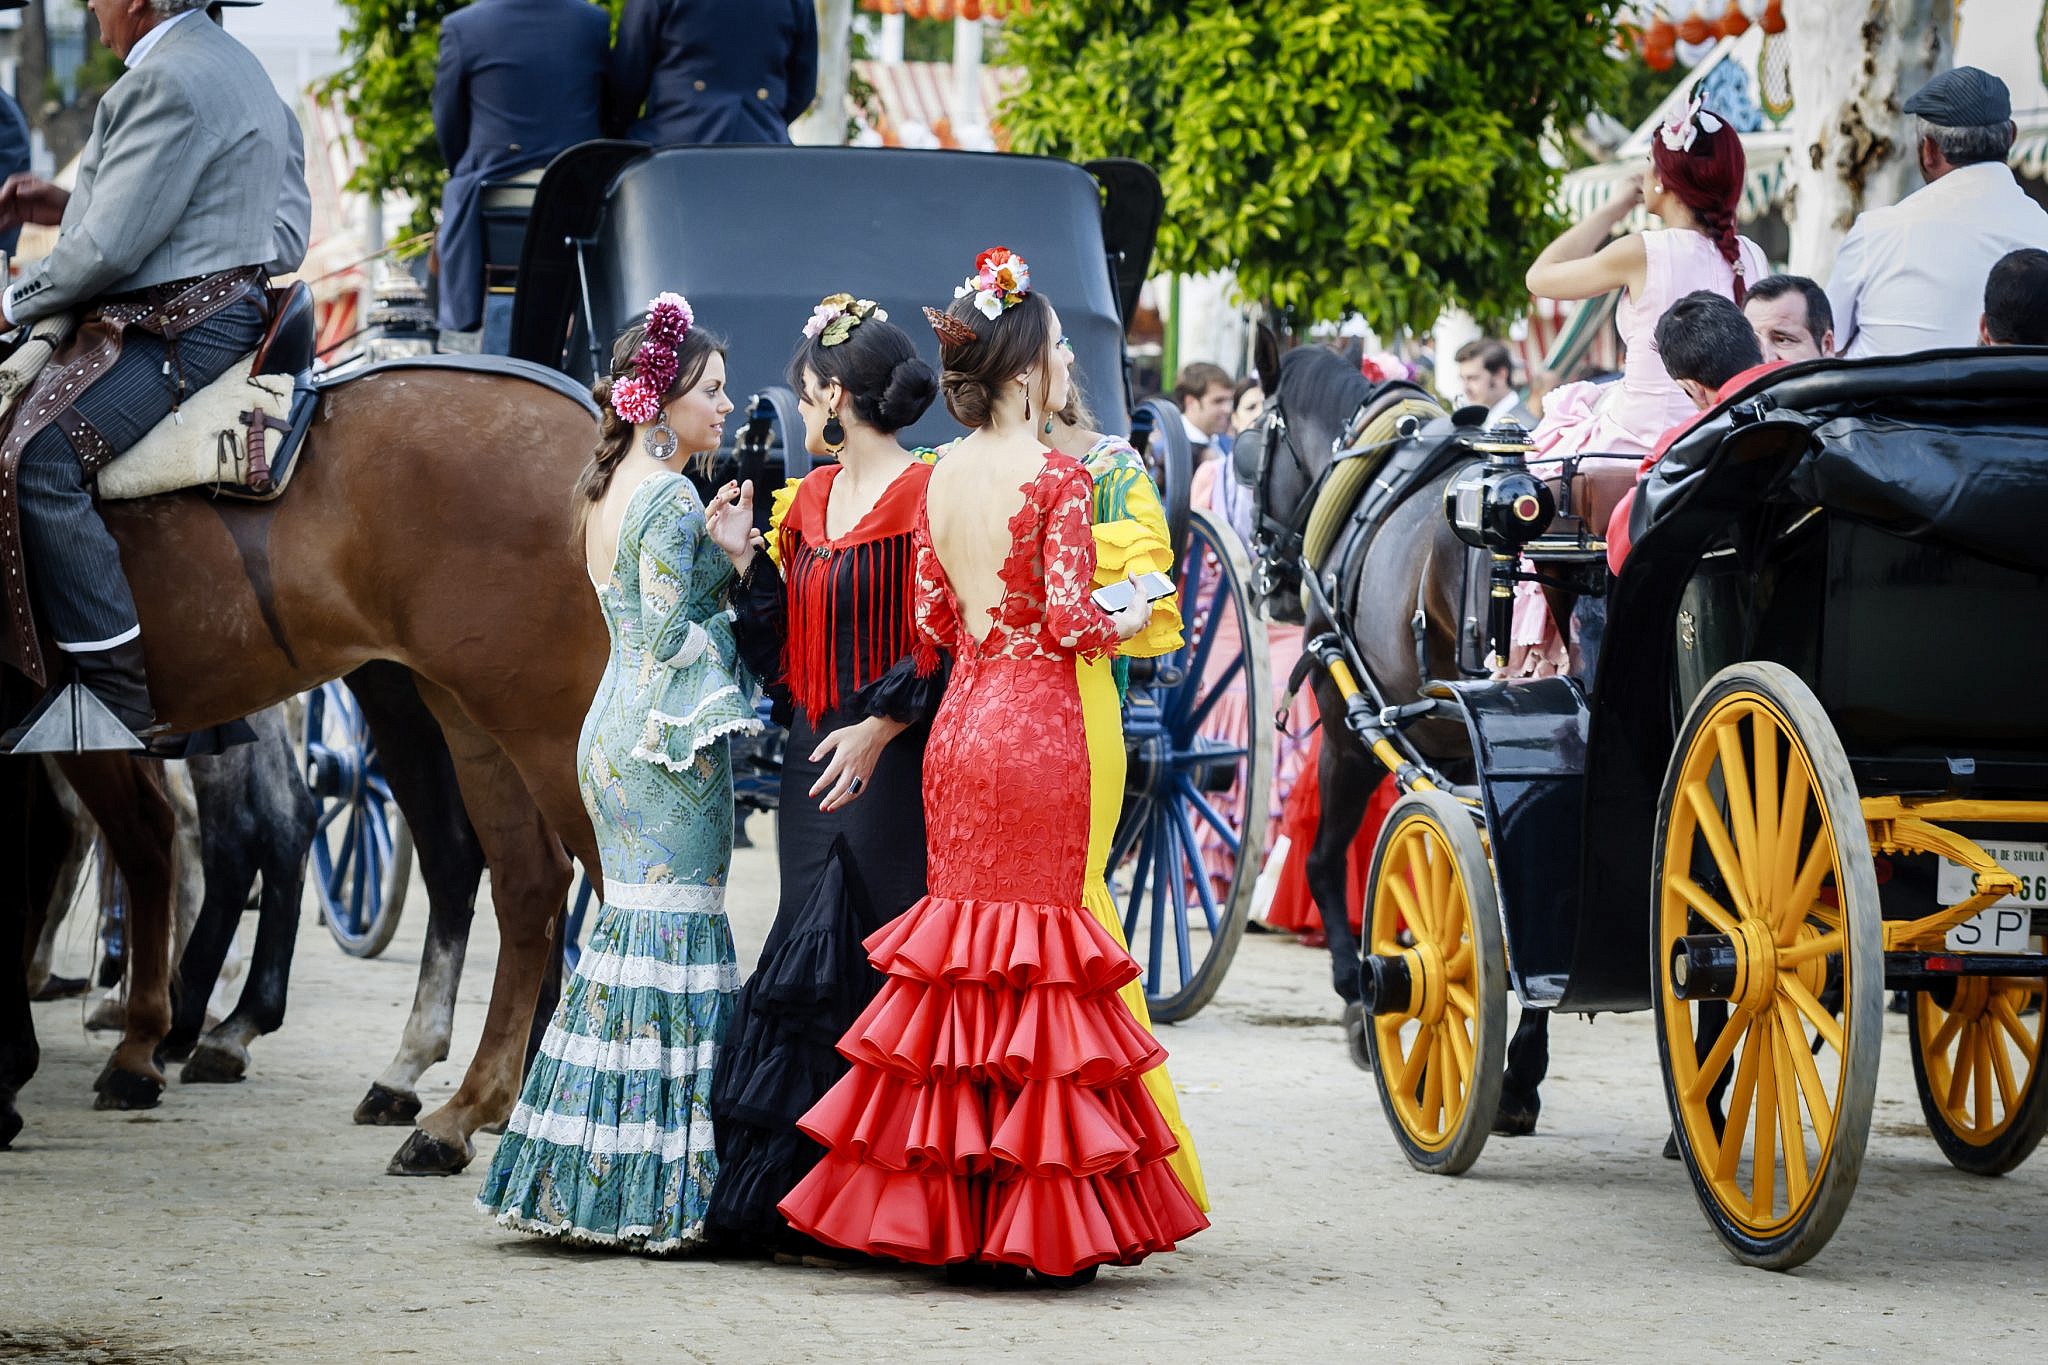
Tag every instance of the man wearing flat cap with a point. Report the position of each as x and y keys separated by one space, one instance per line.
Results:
x=1911 y=277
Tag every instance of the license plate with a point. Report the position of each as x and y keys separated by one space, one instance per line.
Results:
x=2005 y=926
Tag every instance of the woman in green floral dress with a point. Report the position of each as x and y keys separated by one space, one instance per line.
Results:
x=611 y=1142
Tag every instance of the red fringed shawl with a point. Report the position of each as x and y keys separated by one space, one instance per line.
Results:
x=849 y=599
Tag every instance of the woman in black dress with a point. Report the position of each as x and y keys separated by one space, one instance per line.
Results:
x=825 y=617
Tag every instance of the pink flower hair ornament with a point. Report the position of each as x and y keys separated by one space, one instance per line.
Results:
x=637 y=397
x=1000 y=280
x=836 y=315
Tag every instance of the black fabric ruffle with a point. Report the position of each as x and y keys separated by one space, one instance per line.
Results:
x=901 y=695
x=760 y=625
x=812 y=982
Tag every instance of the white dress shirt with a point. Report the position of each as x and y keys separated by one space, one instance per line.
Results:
x=1910 y=277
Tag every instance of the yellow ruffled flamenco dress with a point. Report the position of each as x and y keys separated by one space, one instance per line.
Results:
x=1130 y=538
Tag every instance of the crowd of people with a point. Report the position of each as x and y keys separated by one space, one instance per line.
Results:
x=942 y=1057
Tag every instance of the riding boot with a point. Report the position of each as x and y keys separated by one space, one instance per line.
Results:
x=115 y=675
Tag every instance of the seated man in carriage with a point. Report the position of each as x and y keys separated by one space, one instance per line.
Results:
x=165 y=245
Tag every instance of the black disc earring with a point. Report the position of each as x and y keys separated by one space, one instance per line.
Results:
x=834 y=434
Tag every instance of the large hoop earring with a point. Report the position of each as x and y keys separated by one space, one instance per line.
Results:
x=661 y=438
x=834 y=434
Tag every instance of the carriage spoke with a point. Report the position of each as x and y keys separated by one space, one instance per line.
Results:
x=1191 y=797
x=1197 y=873
x=1458 y=964
x=1716 y=835
x=1789 y=1127
x=1411 y=1069
x=1824 y=1023
x=1708 y=909
x=1818 y=1107
x=2001 y=1068
x=1405 y=899
x=1433 y=1087
x=1729 y=1152
x=2009 y=1020
x=1981 y=1072
x=1462 y=998
x=1714 y=1063
x=1140 y=870
x=1735 y=783
x=1162 y=876
x=1943 y=1036
x=1821 y=945
x=1764 y=767
x=1763 y=1159
x=1959 y=1078
x=1212 y=690
x=1454 y=1076
x=1785 y=858
x=1461 y=1044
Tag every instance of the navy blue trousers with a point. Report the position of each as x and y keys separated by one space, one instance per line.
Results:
x=74 y=567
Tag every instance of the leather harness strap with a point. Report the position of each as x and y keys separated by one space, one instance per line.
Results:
x=166 y=310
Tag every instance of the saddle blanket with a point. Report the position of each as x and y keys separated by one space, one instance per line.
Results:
x=224 y=437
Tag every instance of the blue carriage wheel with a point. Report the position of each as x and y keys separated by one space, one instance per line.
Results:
x=1193 y=831
x=362 y=850
x=572 y=924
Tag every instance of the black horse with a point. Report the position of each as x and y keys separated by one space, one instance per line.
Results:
x=1398 y=596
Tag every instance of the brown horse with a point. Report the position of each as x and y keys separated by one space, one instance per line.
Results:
x=428 y=524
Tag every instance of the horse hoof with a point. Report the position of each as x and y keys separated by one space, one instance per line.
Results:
x=1516 y=1118
x=175 y=1048
x=1354 y=1036
x=10 y=1124
x=109 y=1016
x=384 y=1107
x=425 y=1154
x=117 y=1089
x=215 y=1064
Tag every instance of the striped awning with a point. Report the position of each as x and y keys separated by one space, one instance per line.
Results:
x=1764 y=187
x=919 y=101
x=947 y=9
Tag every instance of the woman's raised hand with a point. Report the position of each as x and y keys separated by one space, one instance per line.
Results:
x=729 y=521
x=1135 y=613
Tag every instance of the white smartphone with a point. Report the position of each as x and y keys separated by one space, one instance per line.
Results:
x=1116 y=596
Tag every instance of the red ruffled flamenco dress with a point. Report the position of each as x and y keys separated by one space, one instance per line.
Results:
x=995 y=1110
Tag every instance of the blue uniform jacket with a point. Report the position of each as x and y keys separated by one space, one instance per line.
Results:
x=517 y=81
x=13 y=156
x=713 y=70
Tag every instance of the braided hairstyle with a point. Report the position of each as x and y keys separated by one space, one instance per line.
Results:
x=1707 y=179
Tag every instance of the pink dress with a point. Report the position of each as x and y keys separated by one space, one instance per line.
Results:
x=1627 y=416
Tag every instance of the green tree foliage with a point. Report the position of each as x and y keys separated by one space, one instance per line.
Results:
x=386 y=90
x=1377 y=156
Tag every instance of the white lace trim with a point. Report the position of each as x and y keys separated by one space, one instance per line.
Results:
x=631 y=1054
x=628 y=971
x=633 y=1237
x=665 y=897
x=729 y=690
x=600 y=1139
x=738 y=725
x=695 y=641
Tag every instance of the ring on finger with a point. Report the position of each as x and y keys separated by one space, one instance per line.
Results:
x=854 y=789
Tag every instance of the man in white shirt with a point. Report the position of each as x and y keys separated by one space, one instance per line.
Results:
x=1910 y=277
x=1204 y=392
x=1486 y=371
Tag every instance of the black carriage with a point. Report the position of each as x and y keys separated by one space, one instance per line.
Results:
x=1811 y=767
x=754 y=236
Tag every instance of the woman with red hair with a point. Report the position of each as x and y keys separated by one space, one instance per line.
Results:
x=1692 y=184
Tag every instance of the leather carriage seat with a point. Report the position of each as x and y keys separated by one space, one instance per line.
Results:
x=287 y=345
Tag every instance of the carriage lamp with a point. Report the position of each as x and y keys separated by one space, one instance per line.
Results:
x=1497 y=504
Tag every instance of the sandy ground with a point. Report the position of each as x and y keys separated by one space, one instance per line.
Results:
x=254 y=1223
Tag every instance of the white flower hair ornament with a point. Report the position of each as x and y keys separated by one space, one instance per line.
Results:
x=1000 y=280
x=1681 y=132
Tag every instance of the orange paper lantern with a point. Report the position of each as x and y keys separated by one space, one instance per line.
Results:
x=1734 y=23
x=1694 y=29
x=1774 y=18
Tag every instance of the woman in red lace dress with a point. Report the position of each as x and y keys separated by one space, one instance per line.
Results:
x=995 y=1115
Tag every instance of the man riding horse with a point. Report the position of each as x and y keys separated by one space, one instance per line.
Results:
x=190 y=194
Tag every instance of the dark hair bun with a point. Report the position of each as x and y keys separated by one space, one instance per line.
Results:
x=968 y=397
x=912 y=387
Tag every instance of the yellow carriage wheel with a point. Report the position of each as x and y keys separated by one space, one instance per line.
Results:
x=1977 y=1065
x=1434 y=981
x=1768 y=956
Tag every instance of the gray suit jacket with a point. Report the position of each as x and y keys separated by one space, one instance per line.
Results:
x=184 y=174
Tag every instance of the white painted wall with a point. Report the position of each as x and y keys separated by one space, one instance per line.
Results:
x=298 y=41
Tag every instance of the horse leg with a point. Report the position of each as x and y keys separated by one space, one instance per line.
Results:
x=74 y=843
x=262 y=807
x=1346 y=776
x=127 y=799
x=36 y=833
x=1528 y=1063
x=529 y=878
x=421 y=774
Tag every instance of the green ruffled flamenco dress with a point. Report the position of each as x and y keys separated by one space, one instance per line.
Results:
x=611 y=1143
